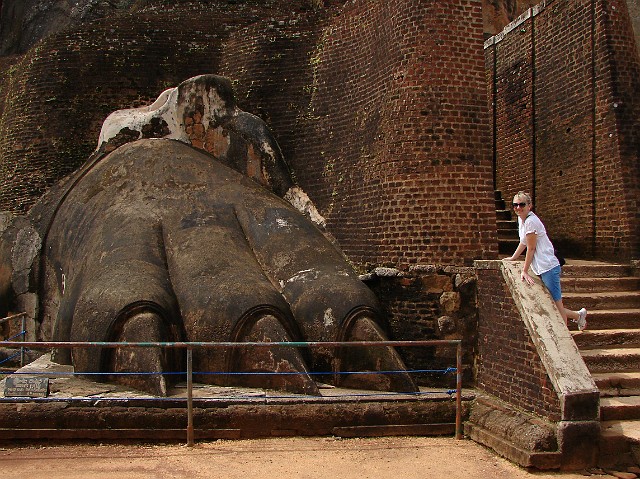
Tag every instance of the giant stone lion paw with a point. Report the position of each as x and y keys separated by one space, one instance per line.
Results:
x=176 y=233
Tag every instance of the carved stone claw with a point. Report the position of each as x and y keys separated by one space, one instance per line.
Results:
x=277 y=359
x=371 y=358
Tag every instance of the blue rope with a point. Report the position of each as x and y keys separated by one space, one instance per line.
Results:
x=10 y=358
x=21 y=333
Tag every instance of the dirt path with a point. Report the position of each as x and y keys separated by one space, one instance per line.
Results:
x=313 y=458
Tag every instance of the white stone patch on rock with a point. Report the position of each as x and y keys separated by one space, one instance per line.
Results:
x=329 y=320
x=301 y=201
x=387 y=272
x=282 y=223
x=424 y=268
x=265 y=146
x=303 y=275
x=170 y=107
x=136 y=118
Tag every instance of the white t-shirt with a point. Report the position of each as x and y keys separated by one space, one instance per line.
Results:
x=543 y=257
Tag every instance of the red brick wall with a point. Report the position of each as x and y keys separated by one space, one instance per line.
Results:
x=564 y=111
x=63 y=89
x=269 y=63
x=507 y=364
x=566 y=122
x=6 y=66
x=617 y=127
x=513 y=112
x=396 y=146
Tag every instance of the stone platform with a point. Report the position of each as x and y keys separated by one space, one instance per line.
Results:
x=79 y=409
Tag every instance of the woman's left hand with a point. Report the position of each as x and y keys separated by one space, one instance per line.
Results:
x=527 y=278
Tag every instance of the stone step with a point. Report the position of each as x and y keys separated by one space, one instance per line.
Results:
x=507 y=246
x=511 y=237
x=545 y=460
x=500 y=204
x=595 y=269
x=611 y=319
x=573 y=284
x=610 y=347
x=621 y=408
x=604 y=360
x=616 y=440
x=604 y=300
x=613 y=392
x=618 y=383
x=504 y=215
x=507 y=224
x=599 y=338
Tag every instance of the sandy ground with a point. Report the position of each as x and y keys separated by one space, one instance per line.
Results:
x=313 y=458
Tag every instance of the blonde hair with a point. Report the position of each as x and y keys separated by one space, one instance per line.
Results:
x=523 y=196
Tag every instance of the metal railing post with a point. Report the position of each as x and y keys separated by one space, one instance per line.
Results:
x=190 y=439
x=459 y=391
x=24 y=337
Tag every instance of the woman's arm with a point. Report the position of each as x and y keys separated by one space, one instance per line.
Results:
x=532 y=240
x=518 y=252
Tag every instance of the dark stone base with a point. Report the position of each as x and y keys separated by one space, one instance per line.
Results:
x=77 y=408
x=344 y=413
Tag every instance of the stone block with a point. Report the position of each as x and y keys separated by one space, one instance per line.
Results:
x=578 y=441
x=436 y=283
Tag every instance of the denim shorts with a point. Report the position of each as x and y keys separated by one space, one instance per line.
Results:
x=551 y=280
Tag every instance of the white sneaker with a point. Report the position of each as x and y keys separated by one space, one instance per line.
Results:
x=582 y=319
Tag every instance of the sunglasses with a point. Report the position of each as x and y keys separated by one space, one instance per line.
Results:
x=521 y=205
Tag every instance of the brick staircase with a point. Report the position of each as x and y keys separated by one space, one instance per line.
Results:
x=611 y=344
x=611 y=349
x=507 y=226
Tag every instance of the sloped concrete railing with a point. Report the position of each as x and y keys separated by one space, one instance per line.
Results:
x=530 y=372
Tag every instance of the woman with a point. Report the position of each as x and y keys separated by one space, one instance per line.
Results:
x=540 y=256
